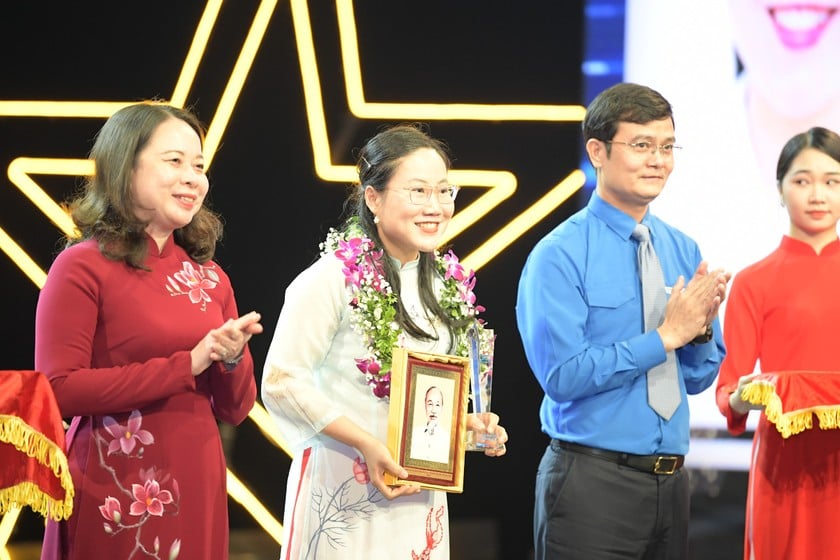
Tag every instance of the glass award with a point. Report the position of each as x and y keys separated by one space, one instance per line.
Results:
x=481 y=343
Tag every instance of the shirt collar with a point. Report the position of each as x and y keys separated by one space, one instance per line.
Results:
x=615 y=219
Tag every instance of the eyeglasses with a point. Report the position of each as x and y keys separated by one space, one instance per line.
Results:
x=422 y=195
x=666 y=150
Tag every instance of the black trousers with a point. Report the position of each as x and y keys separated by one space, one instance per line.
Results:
x=593 y=509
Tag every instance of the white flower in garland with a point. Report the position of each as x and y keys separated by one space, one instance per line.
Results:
x=373 y=305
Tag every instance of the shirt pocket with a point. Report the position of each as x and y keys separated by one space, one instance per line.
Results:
x=614 y=312
x=610 y=296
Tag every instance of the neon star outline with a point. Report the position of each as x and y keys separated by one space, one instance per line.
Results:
x=501 y=184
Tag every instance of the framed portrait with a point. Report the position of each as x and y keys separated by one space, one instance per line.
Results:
x=427 y=418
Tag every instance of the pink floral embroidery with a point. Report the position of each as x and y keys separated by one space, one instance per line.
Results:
x=146 y=497
x=193 y=282
x=360 y=471
x=111 y=510
x=149 y=498
x=126 y=437
x=156 y=474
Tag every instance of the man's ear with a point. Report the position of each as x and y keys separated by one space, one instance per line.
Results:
x=597 y=152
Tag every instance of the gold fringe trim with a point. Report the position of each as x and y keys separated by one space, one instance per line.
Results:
x=29 y=494
x=14 y=431
x=829 y=417
x=793 y=422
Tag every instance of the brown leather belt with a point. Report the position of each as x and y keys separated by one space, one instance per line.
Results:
x=655 y=464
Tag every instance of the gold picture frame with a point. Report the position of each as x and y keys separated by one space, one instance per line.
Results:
x=427 y=418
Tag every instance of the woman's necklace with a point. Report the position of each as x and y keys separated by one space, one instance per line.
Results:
x=373 y=302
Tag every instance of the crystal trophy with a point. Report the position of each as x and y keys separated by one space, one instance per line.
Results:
x=481 y=343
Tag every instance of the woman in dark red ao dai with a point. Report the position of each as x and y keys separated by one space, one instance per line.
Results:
x=138 y=331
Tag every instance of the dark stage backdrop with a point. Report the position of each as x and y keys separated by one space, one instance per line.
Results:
x=263 y=177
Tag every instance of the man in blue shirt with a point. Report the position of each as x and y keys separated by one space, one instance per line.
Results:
x=610 y=484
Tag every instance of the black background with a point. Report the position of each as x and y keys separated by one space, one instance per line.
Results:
x=263 y=181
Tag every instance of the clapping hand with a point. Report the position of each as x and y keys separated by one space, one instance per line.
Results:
x=693 y=306
x=225 y=343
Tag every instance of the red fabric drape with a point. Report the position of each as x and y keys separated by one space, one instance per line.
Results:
x=33 y=466
x=792 y=399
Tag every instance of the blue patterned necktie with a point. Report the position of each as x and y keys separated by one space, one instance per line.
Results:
x=662 y=383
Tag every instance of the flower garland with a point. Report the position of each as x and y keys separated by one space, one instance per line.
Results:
x=373 y=305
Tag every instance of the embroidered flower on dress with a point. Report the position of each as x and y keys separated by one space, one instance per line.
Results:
x=373 y=302
x=111 y=510
x=193 y=282
x=146 y=497
x=126 y=437
x=360 y=471
x=149 y=498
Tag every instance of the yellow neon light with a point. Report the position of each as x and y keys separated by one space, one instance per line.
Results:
x=261 y=418
x=525 y=221
x=7 y=524
x=364 y=109
x=19 y=174
x=502 y=184
x=61 y=109
x=468 y=112
x=313 y=100
x=29 y=267
x=196 y=51
x=236 y=81
x=239 y=492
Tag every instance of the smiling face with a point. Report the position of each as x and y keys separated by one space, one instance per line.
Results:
x=168 y=183
x=811 y=192
x=406 y=228
x=629 y=180
x=789 y=49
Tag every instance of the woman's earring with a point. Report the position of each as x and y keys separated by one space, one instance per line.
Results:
x=376 y=219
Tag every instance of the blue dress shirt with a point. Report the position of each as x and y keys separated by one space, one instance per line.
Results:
x=579 y=313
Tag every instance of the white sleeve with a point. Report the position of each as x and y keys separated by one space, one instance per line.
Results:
x=309 y=321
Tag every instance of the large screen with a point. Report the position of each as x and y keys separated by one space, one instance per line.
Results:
x=743 y=76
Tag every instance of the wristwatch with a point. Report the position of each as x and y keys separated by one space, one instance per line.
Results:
x=233 y=362
x=703 y=338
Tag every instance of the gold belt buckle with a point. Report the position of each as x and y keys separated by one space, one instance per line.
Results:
x=665 y=465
